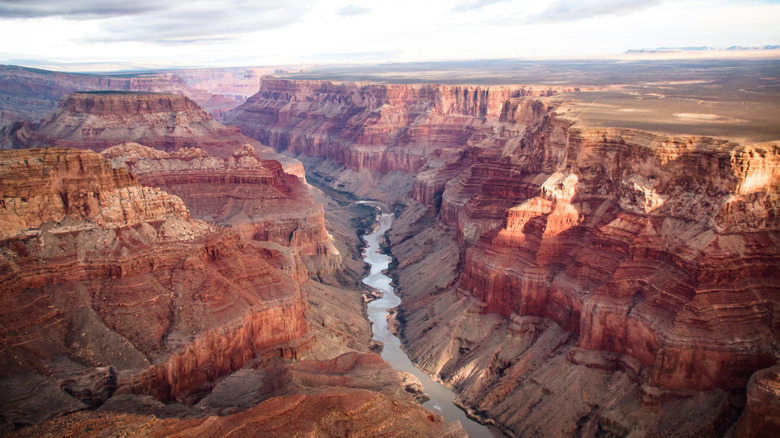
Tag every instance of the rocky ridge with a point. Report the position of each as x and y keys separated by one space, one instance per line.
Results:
x=254 y=197
x=86 y=249
x=539 y=259
x=99 y=120
x=28 y=94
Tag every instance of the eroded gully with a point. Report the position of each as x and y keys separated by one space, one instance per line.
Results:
x=441 y=396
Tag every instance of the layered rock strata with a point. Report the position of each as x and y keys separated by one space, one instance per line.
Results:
x=378 y=127
x=28 y=94
x=99 y=120
x=110 y=287
x=254 y=197
x=352 y=395
x=640 y=266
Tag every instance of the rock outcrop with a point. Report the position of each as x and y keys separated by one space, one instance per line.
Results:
x=377 y=127
x=110 y=287
x=101 y=119
x=352 y=395
x=28 y=94
x=639 y=266
x=254 y=197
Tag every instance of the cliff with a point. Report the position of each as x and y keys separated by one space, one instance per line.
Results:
x=353 y=394
x=28 y=94
x=370 y=126
x=254 y=197
x=98 y=120
x=539 y=257
x=86 y=250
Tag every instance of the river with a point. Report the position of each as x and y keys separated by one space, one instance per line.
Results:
x=441 y=396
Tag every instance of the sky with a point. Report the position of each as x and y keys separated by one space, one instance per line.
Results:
x=191 y=33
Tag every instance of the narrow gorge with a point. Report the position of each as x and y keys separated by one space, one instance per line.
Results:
x=622 y=279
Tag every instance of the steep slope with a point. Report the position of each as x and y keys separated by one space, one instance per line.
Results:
x=28 y=94
x=121 y=314
x=98 y=120
x=352 y=395
x=381 y=128
x=254 y=197
x=539 y=260
x=86 y=250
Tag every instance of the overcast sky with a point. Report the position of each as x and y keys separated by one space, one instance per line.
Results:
x=269 y=32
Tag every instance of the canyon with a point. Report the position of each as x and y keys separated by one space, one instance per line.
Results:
x=625 y=280
x=121 y=303
x=167 y=273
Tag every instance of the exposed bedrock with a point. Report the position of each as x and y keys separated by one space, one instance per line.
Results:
x=377 y=127
x=99 y=271
x=99 y=120
x=351 y=395
x=646 y=261
x=254 y=197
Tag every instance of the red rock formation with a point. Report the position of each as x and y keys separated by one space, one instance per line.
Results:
x=377 y=127
x=99 y=271
x=761 y=417
x=354 y=394
x=28 y=94
x=655 y=257
x=99 y=120
x=633 y=246
x=255 y=197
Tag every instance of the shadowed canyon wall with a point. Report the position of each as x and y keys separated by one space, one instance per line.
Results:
x=121 y=306
x=86 y=250
x=635 y=269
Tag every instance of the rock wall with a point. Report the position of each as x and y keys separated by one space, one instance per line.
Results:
x=254 y=197
x=99 y=271
x=28 y=94
x=648 y=257
x=101 y=119
x=375 y=127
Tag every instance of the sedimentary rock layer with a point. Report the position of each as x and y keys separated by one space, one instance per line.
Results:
x=98 y=271
x=28 y=94
x=652 y=258
x=376 y=127
x=99 y=120
x=255 y=197
x=352 y=395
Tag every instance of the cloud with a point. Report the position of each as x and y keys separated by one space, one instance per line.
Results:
x=78 y=9
x=351 y=10
x=573 y=10
x=474 y=5
x=196 y=22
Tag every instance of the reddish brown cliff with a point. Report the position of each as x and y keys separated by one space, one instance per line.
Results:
x=99 y=120
x=640 y=267
x=98 y=271
x=255 y=197
x=353 y=394
x=28 y=94
x=376 y=127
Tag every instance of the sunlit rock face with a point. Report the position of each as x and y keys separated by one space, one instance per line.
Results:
x=254 y=197
x=663 y=249
x=376 y=127
x=111 y=287
x=102 y=119
x=537 y=258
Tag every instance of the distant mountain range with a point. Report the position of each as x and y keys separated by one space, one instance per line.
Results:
x=699 y=49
